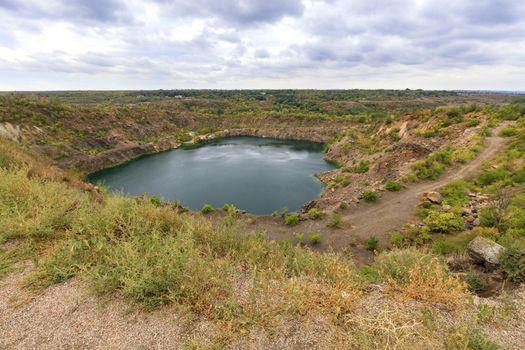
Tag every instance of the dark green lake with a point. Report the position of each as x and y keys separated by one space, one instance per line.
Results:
x=259 y=175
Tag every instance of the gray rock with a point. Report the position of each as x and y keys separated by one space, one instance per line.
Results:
x=484 y=251
x=476 y=222
x=446 y=207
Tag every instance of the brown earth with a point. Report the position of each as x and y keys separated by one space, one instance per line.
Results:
x=394 y=210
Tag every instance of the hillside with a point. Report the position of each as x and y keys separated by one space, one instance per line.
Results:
x=390 y=267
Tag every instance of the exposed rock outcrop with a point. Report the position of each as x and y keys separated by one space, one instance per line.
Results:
x=484 y=251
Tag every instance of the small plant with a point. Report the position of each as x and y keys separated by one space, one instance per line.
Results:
x=397 y=239
x=343 y=205
x=335 y=221
x=445 y=222
x=207 y=208
x=315 y=214
x=155 y=200
x=372 y=243
x=513 y=263
x=230 y=209
x=392 y=186
x=508 y=131
x=474 y=283
x=473 y=122
x=370 y=196
x=362 y=167
x=299 y=238
x=291 y=219
x=314 y=238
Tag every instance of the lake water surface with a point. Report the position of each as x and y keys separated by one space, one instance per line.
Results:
x=259 y=175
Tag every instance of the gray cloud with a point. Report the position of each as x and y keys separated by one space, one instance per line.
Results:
x=214 y=42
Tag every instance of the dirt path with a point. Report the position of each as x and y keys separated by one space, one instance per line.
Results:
x=391 y=212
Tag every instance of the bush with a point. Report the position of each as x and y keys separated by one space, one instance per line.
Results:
x=343 y=205
x=315 y=214
x=508 y=131
x=392 y=186
x=427 y=169
x=372 y=243
x=361 y=168
x=335 y=221
x=445 y=222
x=397 y=239
x=291 y=219
x=207 y=208
x=370 y=196
x=473 y=122
x=513 y=263
x=314 y=238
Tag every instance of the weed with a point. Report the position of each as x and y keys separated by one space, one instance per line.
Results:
x=207 y=208
x=291 y=219
x=372 y=243
x=314 y=238
x=370 y=196
x=335 y=221
x=315 y=214
x=392 y=186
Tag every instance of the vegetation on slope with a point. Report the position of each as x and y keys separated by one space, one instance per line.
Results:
x=153 y=254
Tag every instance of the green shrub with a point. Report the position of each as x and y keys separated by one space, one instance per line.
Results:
x=362 y=167
x=155 y=200
x=291 y=219
x=508 y=131
x=397 y=239
x=314 y=238
x=343 y=205
x=207 y=208
x=370 y=196
x=372 y=243
x=513 y=263
x=427 y=169
x=315 y=214
x=445 y=222
x=474 y=282
x=488 y=217
x=473 y=122
x=392 y=186
x=335 y=221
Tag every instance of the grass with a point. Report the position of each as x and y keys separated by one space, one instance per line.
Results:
x=419 y=275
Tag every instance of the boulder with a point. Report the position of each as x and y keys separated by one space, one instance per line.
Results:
x=484 y=251
x=433 y=197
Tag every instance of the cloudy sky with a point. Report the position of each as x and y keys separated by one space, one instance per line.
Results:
x=132 y=44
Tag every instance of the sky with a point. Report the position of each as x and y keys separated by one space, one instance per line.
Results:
x=262 y=44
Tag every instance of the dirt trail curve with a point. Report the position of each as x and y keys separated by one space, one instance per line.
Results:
x=394 y=210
